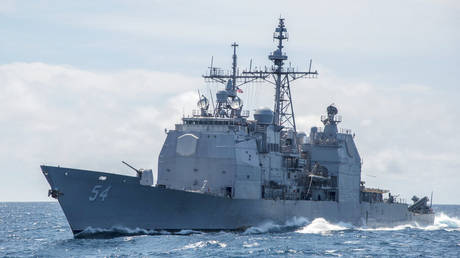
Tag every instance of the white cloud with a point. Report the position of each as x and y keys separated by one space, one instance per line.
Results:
x=62 y=115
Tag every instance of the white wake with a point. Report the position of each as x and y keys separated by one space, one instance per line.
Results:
x=91 y=232
x=441 y=222
x=298 y=224
x=271 y=227
x=444 y=222
x=322 y=226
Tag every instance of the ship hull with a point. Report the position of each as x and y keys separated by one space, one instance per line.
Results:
x=91 y=199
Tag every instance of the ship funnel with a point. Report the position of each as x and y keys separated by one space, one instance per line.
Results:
x=263 y=116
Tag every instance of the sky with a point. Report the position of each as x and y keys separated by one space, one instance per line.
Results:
x=87 y=84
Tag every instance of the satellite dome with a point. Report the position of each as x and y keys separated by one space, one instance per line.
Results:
x=263 y=116
x=236 y=103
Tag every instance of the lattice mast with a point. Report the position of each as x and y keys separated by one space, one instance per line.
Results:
x=230 y=105
x=282 y=77
x=277 y=75
x=234 y=78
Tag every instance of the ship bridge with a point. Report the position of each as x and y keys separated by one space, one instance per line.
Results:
x=201 y=124
x=213 y=121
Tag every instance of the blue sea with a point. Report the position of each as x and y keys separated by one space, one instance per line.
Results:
x=40 y=230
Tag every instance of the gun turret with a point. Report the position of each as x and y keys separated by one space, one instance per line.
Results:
x=145 y=175
x=138 y=171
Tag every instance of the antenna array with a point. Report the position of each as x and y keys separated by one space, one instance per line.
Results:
x=277 y=75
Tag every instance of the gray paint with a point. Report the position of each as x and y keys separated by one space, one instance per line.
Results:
x=221 y=170
x=131 y=205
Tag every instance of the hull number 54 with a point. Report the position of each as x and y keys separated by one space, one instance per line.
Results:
x=98 y=192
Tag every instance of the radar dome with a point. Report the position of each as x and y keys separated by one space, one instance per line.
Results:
x=236 y=103
x=263 y=116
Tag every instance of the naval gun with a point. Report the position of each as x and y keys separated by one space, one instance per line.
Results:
x=145 y=175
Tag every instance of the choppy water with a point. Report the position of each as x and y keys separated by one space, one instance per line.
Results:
x=40 y=229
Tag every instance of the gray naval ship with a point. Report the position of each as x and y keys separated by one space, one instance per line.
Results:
x=220 y=170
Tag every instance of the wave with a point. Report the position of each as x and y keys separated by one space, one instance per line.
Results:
x=91 y=232
x=322 y=226
x=272 y=227
x=202 y=244
x=389 y=228
x=186 y=232
x=444 y=222
x=441 y=222
x=298 y=224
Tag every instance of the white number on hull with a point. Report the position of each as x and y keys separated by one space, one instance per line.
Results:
x=96 y=192
x=105 y=193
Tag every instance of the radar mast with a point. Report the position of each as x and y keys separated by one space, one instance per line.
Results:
x=282 y=77
x=229 y=104
x=278 y=75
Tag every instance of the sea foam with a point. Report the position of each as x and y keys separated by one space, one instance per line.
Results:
x=298 y=224
x=272 y=227
x=322 y=226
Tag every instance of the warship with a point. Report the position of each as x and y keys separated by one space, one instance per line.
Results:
x=220 y=170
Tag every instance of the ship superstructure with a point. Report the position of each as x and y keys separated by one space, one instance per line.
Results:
x=263 y=158
x=220 y=169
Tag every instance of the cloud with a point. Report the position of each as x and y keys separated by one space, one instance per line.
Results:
x=62 y=115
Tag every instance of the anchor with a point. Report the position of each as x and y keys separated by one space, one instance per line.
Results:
x=54 y=193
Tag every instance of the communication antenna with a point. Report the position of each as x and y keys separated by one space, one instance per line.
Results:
x=210 y=67
x=431 y=199
x=212 y=101
x=232 y=106
x=281 y=78
x=277 y=75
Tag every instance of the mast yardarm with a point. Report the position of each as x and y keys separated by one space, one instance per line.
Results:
x=277 y=75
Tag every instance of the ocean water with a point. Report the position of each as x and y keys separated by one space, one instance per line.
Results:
x=41 y=230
